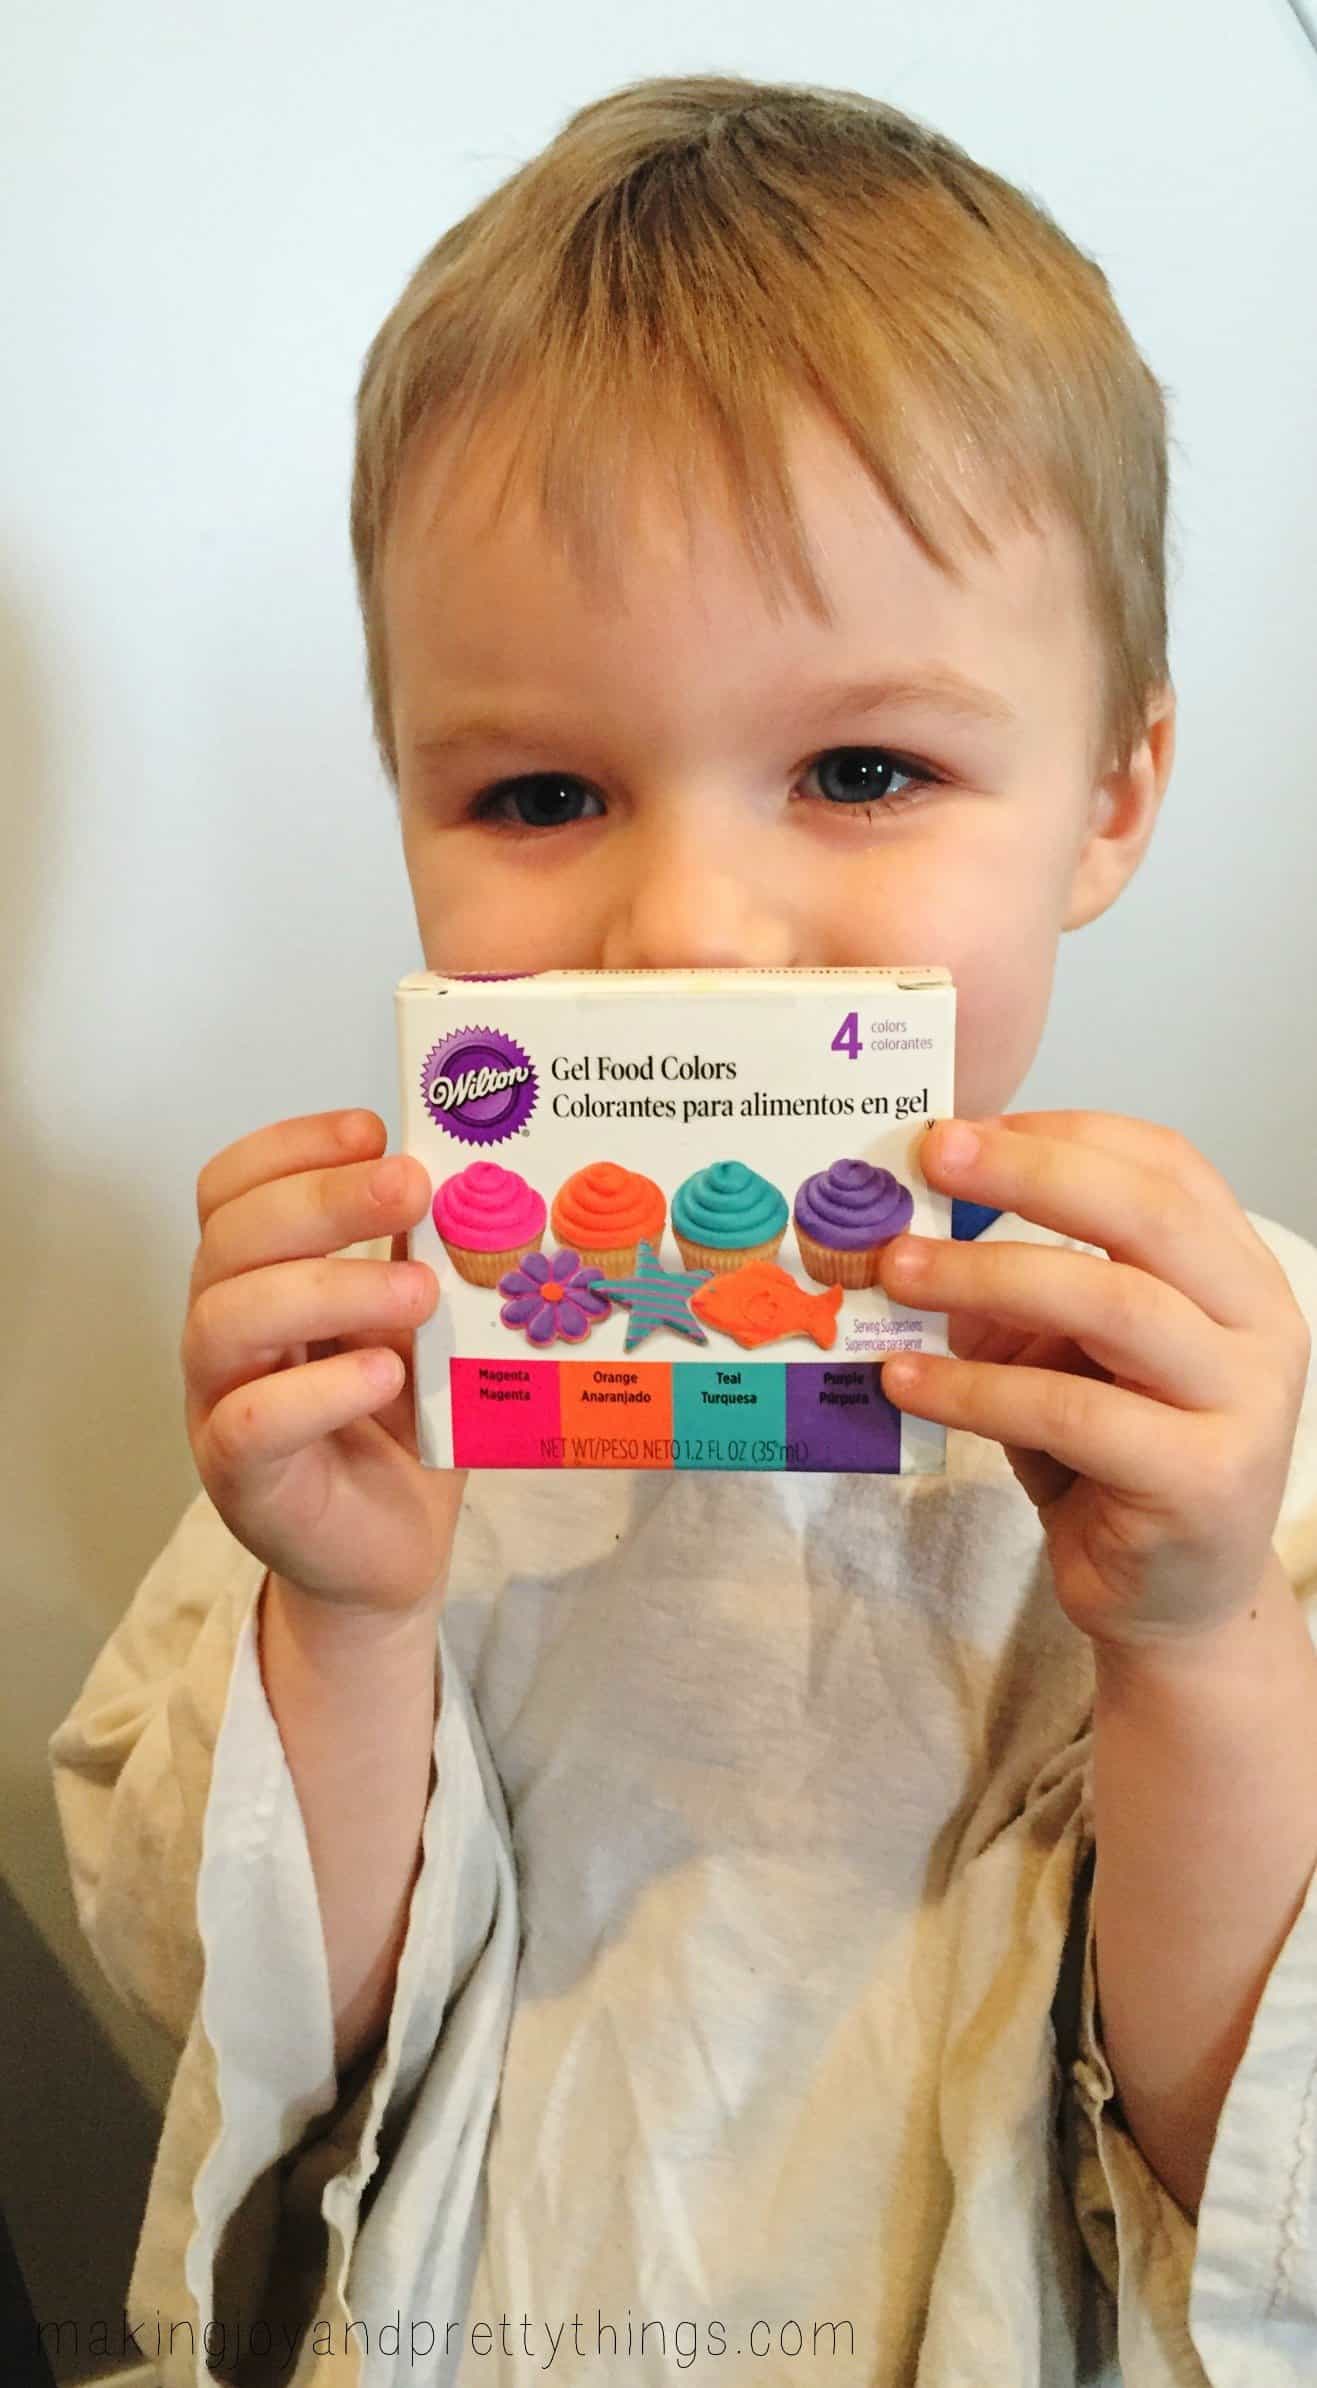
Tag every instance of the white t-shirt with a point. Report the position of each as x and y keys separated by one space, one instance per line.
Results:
x=745 y=2025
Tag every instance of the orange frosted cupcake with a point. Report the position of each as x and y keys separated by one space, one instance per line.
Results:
x=606 y=1213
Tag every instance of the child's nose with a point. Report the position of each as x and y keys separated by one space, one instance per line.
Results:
x=686 y=902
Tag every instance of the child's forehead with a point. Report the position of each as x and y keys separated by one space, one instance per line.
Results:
x=693 y=560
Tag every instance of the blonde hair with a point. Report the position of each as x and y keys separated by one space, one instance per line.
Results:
x=691 y=250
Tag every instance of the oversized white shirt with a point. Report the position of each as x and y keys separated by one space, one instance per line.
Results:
x=745 y=2027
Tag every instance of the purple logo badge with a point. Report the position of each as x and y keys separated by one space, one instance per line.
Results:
x=479 y=1086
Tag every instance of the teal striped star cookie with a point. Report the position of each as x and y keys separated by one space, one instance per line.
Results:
x=658 y=1297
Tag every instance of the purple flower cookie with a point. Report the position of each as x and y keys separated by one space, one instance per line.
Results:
x=553 y=1297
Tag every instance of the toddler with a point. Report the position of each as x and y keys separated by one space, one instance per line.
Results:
x=624 y=1926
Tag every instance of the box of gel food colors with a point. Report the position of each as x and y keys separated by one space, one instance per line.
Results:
x=658 y=1197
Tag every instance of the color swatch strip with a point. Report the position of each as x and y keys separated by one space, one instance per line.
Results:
x=672 y=1414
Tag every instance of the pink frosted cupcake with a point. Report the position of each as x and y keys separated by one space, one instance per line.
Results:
x=844 y=1216
x=488 y=1219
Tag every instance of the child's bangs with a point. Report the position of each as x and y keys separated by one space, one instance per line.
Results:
x=603 y=418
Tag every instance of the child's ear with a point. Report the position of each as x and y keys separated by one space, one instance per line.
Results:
x=1123 y=813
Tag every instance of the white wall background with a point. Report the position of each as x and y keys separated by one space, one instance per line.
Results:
x=206 y=215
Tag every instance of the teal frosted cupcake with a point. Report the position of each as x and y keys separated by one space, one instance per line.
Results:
x=725 y=1215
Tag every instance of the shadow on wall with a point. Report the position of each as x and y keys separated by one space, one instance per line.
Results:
x=94 y=1471
x=76 y=2152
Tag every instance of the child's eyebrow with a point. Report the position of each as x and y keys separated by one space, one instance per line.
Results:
x=936 y=685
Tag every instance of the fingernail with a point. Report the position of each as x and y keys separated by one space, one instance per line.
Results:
x=906 y=1261
x=958 y=1146
x=388 y=1181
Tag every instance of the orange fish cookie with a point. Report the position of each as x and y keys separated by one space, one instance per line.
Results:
x=762 y=1303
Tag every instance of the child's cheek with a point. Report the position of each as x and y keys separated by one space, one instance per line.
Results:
x=1003 y=988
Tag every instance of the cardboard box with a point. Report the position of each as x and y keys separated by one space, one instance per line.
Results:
x=659 y=1197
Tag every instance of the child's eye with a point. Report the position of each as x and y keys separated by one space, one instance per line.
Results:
x=551 y=799
x=866 y=775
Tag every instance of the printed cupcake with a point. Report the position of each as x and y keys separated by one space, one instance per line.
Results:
x=727 y=1215
x=605 y=1213
x=843 y=1217
x=488 y=1219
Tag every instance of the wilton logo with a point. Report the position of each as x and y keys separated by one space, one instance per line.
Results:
x=479 y=1086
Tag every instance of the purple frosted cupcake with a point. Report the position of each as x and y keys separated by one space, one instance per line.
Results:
x=843 y=1217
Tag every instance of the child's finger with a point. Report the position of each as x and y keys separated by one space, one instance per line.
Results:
x=1141 y=1141
x=316 y=1214
x=276 y=1416
x=1118 y=1199
x=1129 y=1321
x=1155 y=1456
x=286 y=1149
x=241 y=1327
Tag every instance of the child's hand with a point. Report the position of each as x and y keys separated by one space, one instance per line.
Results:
x=1147 y=1402
x=297 y=1364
